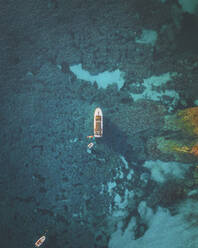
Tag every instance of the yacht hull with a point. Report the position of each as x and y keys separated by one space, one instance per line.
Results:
x=98 y=123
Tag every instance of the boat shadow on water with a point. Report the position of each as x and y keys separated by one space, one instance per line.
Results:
x=116 y=140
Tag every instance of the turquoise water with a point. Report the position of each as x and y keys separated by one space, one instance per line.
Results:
x=59 y=61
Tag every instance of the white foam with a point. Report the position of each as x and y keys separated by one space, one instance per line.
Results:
x=161 y=171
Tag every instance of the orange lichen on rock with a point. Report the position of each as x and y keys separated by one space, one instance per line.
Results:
x=184 y=149
x=181 y=135
x=188 y=119
x=194 y=150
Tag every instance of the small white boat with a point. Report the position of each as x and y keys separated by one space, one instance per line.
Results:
x=90 y=145
x=98 y=123
x=40 y=241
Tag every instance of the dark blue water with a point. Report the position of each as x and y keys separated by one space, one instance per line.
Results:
x=59 y=60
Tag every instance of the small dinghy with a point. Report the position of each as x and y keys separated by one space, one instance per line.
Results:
x=40 y=241
x=98 y=123
x=90 y=145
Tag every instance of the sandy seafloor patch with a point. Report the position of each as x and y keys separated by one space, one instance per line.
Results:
x=59 y=60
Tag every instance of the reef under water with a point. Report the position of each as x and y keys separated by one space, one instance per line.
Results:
x=137 y=185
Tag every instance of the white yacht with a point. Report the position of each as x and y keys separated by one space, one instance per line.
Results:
x=98 y=123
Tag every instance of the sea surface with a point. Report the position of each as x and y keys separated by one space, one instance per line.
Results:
x=137 y=186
